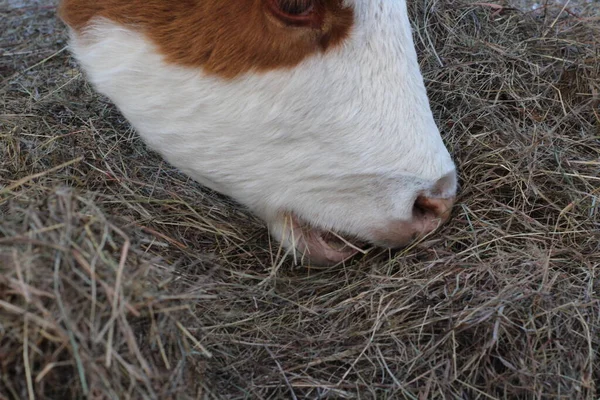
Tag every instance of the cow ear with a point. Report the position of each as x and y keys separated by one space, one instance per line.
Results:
x=301 y=13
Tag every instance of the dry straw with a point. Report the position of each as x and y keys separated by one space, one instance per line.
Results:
x=120 y=278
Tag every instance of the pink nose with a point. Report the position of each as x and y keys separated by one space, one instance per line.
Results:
x=429 y=212
x=435 y=210
x=428 y=215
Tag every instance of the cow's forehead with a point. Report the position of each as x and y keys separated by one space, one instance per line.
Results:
x=224 y=37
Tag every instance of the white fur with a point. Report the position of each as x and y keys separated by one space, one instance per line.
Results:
x=346 y=140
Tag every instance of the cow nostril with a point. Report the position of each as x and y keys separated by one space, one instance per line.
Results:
x=429 y=213
x=420 y=207
x=433 y=208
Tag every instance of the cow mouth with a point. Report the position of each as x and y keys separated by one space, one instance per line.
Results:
x=323 y=246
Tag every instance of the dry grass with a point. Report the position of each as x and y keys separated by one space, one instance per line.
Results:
x=120 y=278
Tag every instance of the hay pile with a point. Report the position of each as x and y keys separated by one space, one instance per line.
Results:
x=120 y=278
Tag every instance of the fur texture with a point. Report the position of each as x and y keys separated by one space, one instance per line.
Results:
x=345 y=140
x=226 y=38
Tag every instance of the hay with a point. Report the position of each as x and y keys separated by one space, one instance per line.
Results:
x=121 y=278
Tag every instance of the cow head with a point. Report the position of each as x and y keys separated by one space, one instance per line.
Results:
x=312 y=113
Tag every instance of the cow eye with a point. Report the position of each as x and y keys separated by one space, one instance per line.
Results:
x=296 y=12
x=295 y=7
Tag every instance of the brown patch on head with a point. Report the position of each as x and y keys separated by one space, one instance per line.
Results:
x=225 y=37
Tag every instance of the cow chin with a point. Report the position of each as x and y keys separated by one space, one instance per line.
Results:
x=314 y=245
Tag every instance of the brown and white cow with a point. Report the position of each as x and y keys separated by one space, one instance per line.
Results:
x=312 y=113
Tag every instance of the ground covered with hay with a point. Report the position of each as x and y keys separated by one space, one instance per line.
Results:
x=122 y=279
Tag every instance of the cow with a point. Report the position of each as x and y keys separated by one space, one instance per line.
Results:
x=313 y=114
